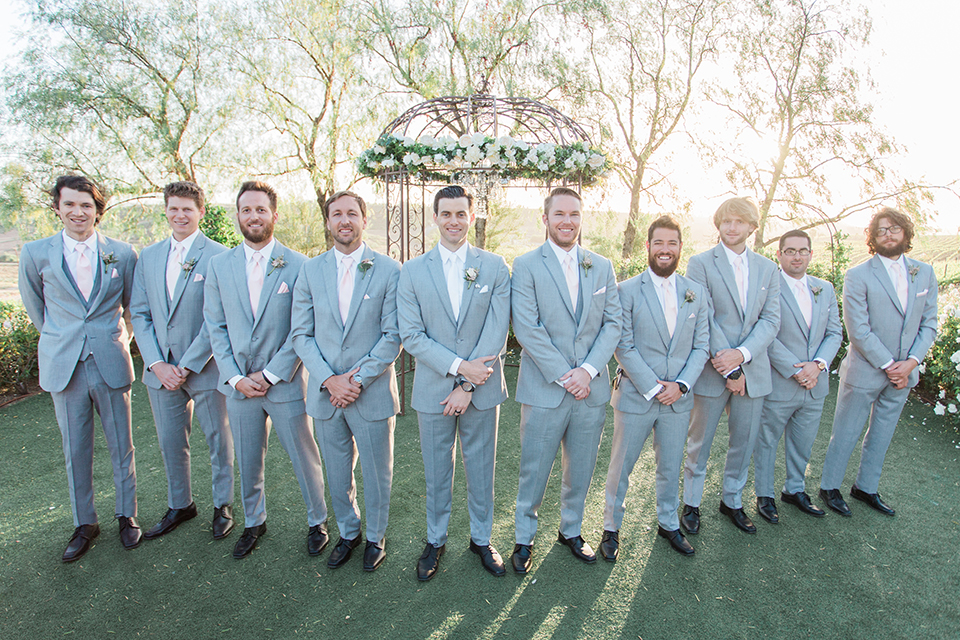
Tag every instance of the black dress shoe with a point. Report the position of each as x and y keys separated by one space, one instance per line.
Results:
x=610 y=545
x=676 y=540
x=373 y=555
x=802 y=501
x=171 y=520
x=429 y=562
x=767 y=508
x=690 y=520
x=489 y=558
x=248 y=540
x=222 y=521
x=317 y=539
x=834 y=501
x=580 y=549
x=872 y=499
x=130 y=534
x=342 y=552
x=739 y=518
x=522 y=557
x=80 y=541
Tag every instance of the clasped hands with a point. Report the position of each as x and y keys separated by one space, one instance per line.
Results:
x=169 y=375
x=253 y=385
x=899 y=373
x=476 y=372
x=726 y=362
x=808 y=375
x=343 y=389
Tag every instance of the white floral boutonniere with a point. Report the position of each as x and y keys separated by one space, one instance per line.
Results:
x=470 y=275
x=816 y=292
x=188 y=267
x=913 y=271
x=108 y=259
x=364 y=266
x=277 y=263
x=689 y=296
x=585 y=264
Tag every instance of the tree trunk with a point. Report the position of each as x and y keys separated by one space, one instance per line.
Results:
x=630 y=232
x=480 y=228
x=327 y=236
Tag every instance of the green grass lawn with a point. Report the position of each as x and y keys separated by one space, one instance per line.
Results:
x=868 y=576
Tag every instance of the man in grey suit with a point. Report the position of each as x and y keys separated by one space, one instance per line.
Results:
x=566 y=315
x=890 y=312
x=246 y=307
x=453 y=307
x=744 y=290
x=664 y=344
x=179 y=370
x=800 y=357
x=344 y=327
x=75 y=286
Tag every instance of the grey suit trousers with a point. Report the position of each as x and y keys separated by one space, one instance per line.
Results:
x=744 y=425
x=630 y=431
x=343 y=439
x=577 y=428
x=248 y=421
x=478 y=446
x=797 y=421
x=74 y=407
x=173 y=414
x=883 y=406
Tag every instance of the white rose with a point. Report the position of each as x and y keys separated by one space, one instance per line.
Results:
x=408 y=141
x=439 y=159
x=465 y=140
x=379 y=149
x=595 y=161
x=952 y=408
x=429 y=141
x=473 y=155
x=939 y=409
x=411 y=159
x=478 y=139
x=569 y=163
x=389 y=162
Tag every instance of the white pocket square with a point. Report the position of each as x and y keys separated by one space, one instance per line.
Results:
x=484 y=290
x=366 y=297
x=115 y=274
x=283 y=288
x=692 y=315
x=923 y=293
x=599 y=291
x=198 y=277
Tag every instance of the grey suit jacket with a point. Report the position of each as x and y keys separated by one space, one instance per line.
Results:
x=648 y=353
x=173 y=331
x=430 y=333
x=878 y=328
x=545 y=323
x=243 y=343
x=730 y=326
x=796 y=343
x=369 y=339
x=58 y=311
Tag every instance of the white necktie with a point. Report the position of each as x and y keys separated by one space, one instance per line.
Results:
x=454 y=284
x=346 y=287
x=803 y=299
x=738 y=274
x=84 y=271
x=669 y=306
x=901 y=283
x=573 y=281
x=255 y=283
x=174 y=268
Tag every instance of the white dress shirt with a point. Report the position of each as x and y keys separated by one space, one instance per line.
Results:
x=446 y=256
x=248 y=252
x=745 y=268
x=561 y=256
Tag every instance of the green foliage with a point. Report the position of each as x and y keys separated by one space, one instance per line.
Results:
x=18 y=347
x=218 y=225
x=940 y=377
x=301 y=227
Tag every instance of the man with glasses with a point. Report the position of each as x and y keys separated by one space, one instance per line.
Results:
x=800 y=355
x=890 y=312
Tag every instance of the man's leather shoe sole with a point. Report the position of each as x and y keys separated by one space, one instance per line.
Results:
x=802 y=501
x=317 y=539
x=373 y=555
x=80 y=542
x=580 y=549
x=489 y=558
x=690 y=520
x=739 y=518
x=676 y=540
x=130 y=534
x=342 y=552
x=835 y=502
x=171 y=520
x=248 y=540
x=767 y=508
x=871 y=499
x=522 y=558
x=610 y=545
x=429 y=562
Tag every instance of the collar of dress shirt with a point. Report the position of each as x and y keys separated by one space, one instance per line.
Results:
x=248 y=251
x=888 y=264
x=793 y=281
x=70 y=245
x=731 y=256
x=563 y=253
x=186 y=242
x=446 y=254
x=658 y=282
x=356 y=255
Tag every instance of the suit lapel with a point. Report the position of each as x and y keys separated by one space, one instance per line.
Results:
x=361 y=282
x=649 y=291
x=435 y=267
x=555 y=269
x=722 y=265
x=911 y=288
x=103 y=249
x=157 y=272
x=682 y=310
x=817 y=314
x=753 y=279
x=55 y=256
x=269 y=281
x=880 y=273
x=183 y=277
x=787 y=296
x=473 y=261
x=587 y=283
x=330 y=281
x=239 y=274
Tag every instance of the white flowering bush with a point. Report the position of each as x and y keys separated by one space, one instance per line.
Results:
x=940 y=372
x=441 y=158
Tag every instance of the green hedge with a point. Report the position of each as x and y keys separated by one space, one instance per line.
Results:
x=18 y=347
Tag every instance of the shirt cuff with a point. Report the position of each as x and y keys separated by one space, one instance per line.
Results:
x=746 y=354
x=887 y=365
x=649 y=395
x=234 y=380
x=684 y=383
x=825 y=363
x=153 y=364
x=455 y=367
x=914 y=358
x=589 y=368
x=272 y=379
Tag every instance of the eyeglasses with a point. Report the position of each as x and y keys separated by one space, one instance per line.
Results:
x=882 y=231
x=803 y=253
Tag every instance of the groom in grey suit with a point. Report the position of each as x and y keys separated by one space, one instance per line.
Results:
x=744 y=290
x=75 y=286
x=664 y=344
x=566 y=315
x=247 y=304
x=453 y=307
x=890 y=312
x=344 y=328
x=179 y=370
x=800 y=358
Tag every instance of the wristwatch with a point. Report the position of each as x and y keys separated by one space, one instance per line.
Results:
x=683 y=388
x=464 y=384
x=358 y=380
x=821 y=365
x=735 y=375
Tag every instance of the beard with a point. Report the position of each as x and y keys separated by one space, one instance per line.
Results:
x=257 y=236
x=890 y=251
x=661 y=270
